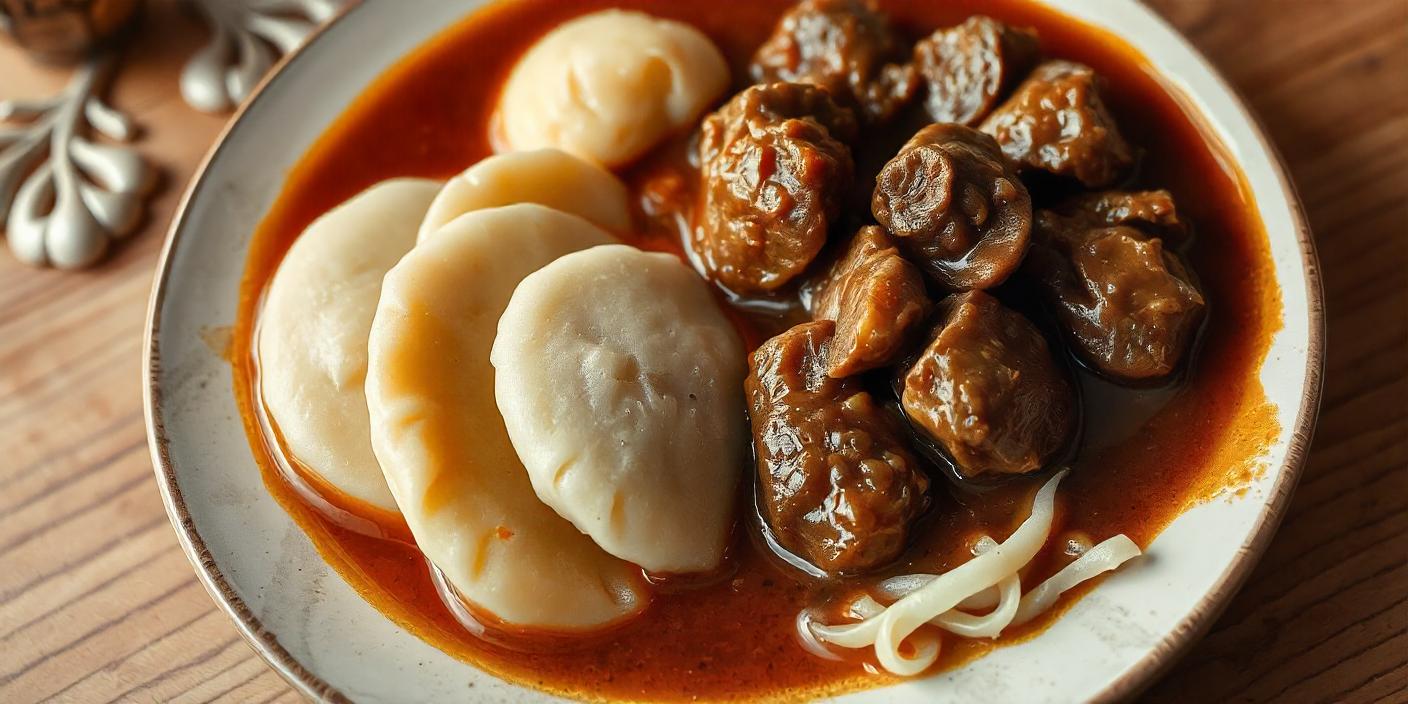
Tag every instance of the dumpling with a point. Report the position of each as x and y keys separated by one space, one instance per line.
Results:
x=620 y=382
x=442 y=444
x=609 y=85
x=548 y=177
x=313 y=332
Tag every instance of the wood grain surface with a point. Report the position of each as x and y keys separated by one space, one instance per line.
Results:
x=98 y=603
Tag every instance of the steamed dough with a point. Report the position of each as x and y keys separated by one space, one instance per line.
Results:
x=442 y=444
x=313 y=332
x=610 y=85
x=548 y=177
x=620 y=383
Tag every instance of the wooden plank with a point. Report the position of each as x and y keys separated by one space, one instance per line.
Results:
x=97 y=602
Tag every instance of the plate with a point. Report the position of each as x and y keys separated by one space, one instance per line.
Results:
x=332 y=645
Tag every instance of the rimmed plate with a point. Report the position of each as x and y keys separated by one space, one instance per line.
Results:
x=329 y=643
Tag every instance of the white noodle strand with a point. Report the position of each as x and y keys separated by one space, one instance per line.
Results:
x=908 y=614
x=864 y=607
x=849 y=635
x=1102 y=558
x=985 y=599
x=991 y=624
x=896 y=588
x=954 y=621
x=990 y=580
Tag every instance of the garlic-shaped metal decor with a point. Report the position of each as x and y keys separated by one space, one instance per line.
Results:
x=64 y=197
x=245 y=34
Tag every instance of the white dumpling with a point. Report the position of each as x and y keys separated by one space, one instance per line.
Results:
x=610 y=85
x=621 y=384
x=442 y=444
x=548 y=177
x=313 y=332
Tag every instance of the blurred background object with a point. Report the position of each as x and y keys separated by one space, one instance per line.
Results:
x=65 y=31
x=66 y=194
x=246 y=38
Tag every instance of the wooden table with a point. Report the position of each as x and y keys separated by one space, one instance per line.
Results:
x=97 y=602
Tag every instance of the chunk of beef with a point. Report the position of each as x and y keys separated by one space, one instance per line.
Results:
x=956 y=207
x=968 y=68
x=1151 y=211
x=844 y=46
x=989 y=392
x=774 y=166
x=1057 y=122
x=1128 y=306
x=876 y=299
x=839 y=487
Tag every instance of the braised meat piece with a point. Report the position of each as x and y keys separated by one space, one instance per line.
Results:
x=956 y=207
x=775 y=103
x=1128 y=305
x=988 y=390
x=1057 y=122
x=1151 y=211
x=774 y=165
x=876 y=299
x=839 y=487
x=844 y=46
x=968 y=68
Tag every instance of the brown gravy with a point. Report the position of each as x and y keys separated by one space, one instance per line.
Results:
x=1148 y=454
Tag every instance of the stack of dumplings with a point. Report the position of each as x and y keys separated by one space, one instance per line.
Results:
x=553 y=413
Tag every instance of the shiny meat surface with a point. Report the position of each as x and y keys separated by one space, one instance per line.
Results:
x=876 y=299
x=955 y=206
x=988 y=391
x=1057 y=122
x=1151 y=211
x=969 y=67
x=844 y=46
x=773 y=163
x=839 y=487
x=1128 y=306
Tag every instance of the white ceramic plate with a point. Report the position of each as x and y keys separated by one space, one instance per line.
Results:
x=317 y=632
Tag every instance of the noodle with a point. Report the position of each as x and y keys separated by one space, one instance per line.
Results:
x=905 y=616
x=1102 y=558
x=991 y=625
x=989 y=580
x=1004 y=600
x=895 y=588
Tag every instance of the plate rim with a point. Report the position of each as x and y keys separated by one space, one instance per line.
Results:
x=1140 y=675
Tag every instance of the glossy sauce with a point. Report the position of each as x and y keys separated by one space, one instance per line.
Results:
x=1147 y=455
